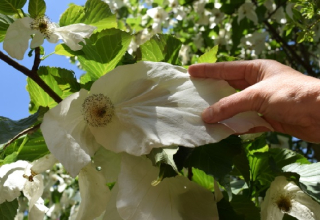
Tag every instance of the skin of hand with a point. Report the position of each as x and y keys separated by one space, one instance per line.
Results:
x=286 y=98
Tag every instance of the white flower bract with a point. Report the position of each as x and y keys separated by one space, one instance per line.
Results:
x=154 y=105
x=19 y=32
x=286 y=197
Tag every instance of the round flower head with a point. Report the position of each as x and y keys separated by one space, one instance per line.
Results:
x=19 y=33
x=286 y=197
x=135 y=108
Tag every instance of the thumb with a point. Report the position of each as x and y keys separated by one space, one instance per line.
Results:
x=246 y=100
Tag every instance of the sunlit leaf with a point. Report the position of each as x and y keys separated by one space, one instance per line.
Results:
x=61 y=81
x=95 y=12
x=161 y=48
x=37 y=8
x=103 y=51
x=210 y=56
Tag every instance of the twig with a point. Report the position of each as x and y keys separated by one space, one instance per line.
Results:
x=284 y=44
x=26 y=131
x=32 y=74
x=37 y=59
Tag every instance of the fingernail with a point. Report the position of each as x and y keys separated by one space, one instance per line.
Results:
x=207 y=114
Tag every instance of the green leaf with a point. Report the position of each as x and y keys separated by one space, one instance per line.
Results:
x=243 y=205
x=62 y=81
x=161 y=48
x=37 y=8
x=309 y=177
x=227 y=212
x=216 y=159
x=8 y=210
x=103 y=51
x=62 y=49
x=95 y=12
x=10 y=158
x=11 y=6
x=5 y=21
x=210 y=56
x=164 y=155
x=29 y=147
x=9 y=128
x=203 y=179
x=163 y=158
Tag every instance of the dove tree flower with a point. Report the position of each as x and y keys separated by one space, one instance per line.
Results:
x=285 y=196
x=134 y=197
x=247 y=10
x=20 y=31
x=136 y=108
x=26 y=177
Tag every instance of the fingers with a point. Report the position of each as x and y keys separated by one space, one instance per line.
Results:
x=225 y=108
x=246 y=72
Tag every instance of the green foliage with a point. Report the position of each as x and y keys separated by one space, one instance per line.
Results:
x=216 y=159
x=164 y=155
x=5 y=21
x=11 y=6
x=8 y=210
x=161 y=48
x=203 y=179
x=37 y=8
x=61 y=81
x=243 y=206
x=9 y=128
x=103 y=51
x=210 y=56
x=29 y=147
x=95 y=12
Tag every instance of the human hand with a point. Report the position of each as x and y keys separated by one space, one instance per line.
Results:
x=286 y=98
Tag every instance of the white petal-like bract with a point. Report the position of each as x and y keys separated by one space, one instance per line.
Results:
x=72 y=35
x=17 y=38
x=173 y=198
x=136 y=108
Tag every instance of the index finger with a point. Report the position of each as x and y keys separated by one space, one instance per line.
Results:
x=246 y=71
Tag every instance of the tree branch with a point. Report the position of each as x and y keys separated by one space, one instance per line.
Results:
x=285 y=46
x=26 y=131
x=32 y=74
x=37 y=59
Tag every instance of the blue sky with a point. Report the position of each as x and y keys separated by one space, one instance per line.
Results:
x=14 y=98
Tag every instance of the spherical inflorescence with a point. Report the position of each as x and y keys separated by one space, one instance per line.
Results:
x=42 y=24
x=97 y=110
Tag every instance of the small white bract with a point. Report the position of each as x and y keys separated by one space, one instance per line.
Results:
x=20 y=31
x=136 y=108
x=286 y=197
x=24 y=176
x=247 y=10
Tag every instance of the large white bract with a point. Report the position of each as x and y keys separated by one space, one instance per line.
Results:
x=136 y=108
x=286 y=197
x=19 y=33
